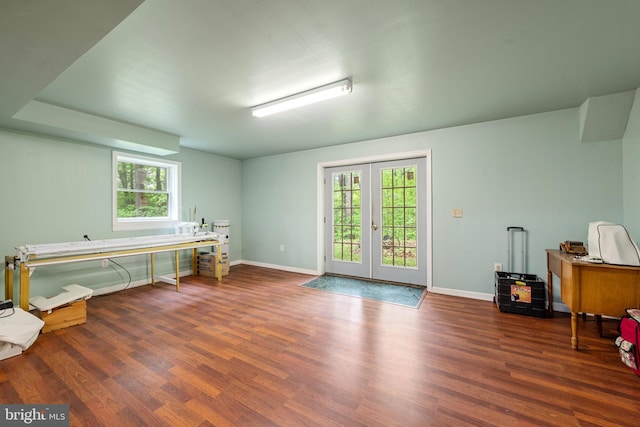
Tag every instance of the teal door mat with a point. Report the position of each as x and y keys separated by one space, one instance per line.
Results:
x=409 y=296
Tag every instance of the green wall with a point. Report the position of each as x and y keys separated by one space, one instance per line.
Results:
x=58 y=191
x=527 y=171
x=631 y=160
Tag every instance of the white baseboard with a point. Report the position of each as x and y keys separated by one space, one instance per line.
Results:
x=116 y=288
x=460 y=293
x=278 y=267
x=557 y=306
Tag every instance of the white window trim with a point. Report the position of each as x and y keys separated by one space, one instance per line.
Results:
x=173 y=186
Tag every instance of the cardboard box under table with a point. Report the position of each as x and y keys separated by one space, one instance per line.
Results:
x=207 y=264
x=63 y=310
x=520 y=293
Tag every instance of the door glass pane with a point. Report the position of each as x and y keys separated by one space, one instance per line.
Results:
x=399 y=225
x=347 y=220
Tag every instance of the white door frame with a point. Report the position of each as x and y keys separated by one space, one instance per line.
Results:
x=320 y=250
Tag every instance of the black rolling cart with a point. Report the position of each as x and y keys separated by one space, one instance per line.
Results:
x=519 y=293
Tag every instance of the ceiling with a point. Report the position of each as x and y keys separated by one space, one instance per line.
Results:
x=192 y=69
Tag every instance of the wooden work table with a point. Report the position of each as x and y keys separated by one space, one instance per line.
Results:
x=107 y=249
x=585 y=287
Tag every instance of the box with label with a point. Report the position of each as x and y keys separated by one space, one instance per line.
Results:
x=521 y=294
x=207 y=264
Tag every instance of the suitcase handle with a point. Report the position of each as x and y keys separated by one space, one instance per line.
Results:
x=515 y=228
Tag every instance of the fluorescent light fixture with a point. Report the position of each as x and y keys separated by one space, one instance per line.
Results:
x=301 y=99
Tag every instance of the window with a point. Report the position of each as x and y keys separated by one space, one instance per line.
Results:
x=146 y=192
x=347 y=217
x=399 y=216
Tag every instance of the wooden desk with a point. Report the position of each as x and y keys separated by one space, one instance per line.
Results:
x=600 y=289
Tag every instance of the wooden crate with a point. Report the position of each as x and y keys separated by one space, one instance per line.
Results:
x=64 y=316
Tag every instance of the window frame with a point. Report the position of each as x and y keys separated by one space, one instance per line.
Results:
x=174 y=176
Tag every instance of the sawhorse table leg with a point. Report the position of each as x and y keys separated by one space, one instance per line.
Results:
x=24 y=287
x=153 y=264
x=9 y=266
x=219 y=263
x=177 y=257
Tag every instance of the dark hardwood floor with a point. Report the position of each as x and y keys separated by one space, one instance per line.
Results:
x=259 y=350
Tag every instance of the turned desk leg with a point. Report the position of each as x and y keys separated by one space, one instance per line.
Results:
x=599 y=323
x=550 y=293
x=574 y=330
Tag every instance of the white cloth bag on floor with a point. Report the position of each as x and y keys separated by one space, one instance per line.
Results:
x=21 y=328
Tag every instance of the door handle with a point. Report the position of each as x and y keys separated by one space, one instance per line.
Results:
x=374 y=226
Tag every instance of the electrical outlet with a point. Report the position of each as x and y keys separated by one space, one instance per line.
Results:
x=497 y=266
x=105 y=263
x=457 y=212
x=281 y=248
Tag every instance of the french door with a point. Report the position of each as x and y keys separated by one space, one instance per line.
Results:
x=376 y=221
